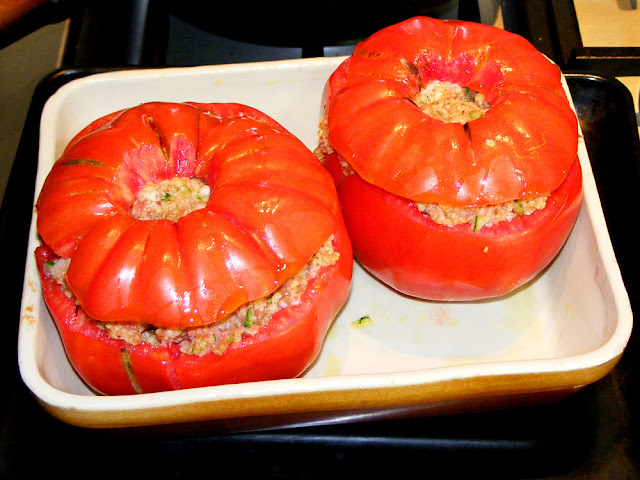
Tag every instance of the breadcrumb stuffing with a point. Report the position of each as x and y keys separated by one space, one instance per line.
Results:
x=451 y=103
x=245 y=321
x=171 y=199
x=481 y=216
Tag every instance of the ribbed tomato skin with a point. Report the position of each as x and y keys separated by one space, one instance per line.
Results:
x=272 y=206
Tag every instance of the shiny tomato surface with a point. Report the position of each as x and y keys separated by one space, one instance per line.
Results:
x=524 y=146
x=248 y=240
x=408 y=251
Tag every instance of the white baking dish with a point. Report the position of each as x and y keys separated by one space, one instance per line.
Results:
x=564 y=330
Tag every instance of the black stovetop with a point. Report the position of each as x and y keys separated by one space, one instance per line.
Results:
x=188 y=32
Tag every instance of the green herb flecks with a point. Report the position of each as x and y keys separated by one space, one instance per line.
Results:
x=478 y=222
x=518 y=208
x=362 y=322
x=248 y=321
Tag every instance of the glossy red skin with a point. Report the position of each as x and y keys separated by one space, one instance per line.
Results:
x=244 y=244
x=523 y=147
x=267 y=184
x=282 y=349
x=406 y=250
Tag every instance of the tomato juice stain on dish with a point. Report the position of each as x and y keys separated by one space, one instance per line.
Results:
x=161 y=264
x=454 y=150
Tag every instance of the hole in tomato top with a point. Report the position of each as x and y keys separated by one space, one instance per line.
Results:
x=170 y=199
x=451 y=103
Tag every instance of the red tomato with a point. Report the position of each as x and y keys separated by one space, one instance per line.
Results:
x=242 y=246
x=523 y=147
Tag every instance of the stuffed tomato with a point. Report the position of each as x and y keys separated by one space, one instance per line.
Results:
x=188 y=245
x=454 y=150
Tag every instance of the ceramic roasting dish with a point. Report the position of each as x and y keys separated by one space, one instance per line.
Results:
x=561 y=332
